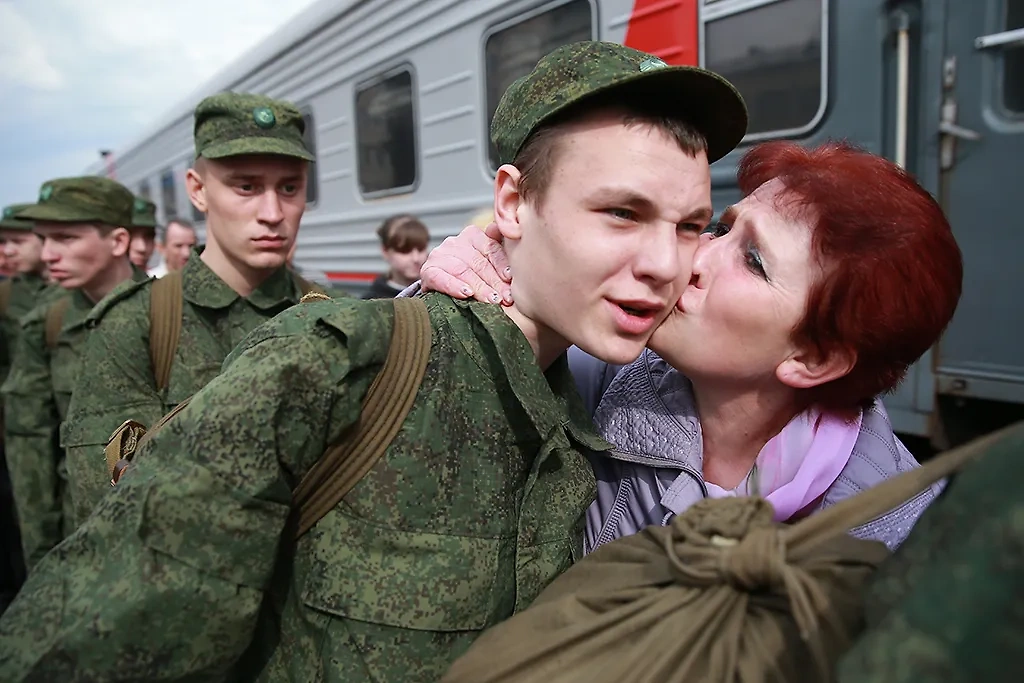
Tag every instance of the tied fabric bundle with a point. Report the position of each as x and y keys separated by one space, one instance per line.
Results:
x=723 y=594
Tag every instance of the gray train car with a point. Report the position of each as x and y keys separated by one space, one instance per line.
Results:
x=398 y=96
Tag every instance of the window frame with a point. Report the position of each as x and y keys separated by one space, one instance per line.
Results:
x=169 y=172
x=365 y=84
x=312 y=176
x=1014 y=116
x=511 y=20
x=713 y=10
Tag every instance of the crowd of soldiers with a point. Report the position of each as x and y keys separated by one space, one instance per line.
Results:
x=196 y=460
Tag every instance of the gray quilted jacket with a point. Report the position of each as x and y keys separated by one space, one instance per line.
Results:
x=647 y=410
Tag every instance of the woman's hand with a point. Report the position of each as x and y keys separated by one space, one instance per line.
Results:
x=472 y=264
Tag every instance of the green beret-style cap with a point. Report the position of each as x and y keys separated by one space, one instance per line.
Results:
x=87 y=199
x=11 y=222
x=231 y=124
x=572 y=73
x=143 y=213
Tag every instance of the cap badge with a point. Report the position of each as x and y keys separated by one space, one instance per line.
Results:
x=263 y=117
x=651 y=64
x=140 y=205
x=8 y=212
x=45 y=193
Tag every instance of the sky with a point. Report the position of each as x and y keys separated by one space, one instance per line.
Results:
x=78 y=76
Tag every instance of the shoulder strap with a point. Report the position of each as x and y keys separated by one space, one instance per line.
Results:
x=385 y=407
x=892 y=493
x=165 y=310
x=305 y=286
x=5 y=295
x=55 y=320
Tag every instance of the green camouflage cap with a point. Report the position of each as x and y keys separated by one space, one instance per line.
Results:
x=574 y=72
x=87 y=199
x=231 y=124
x=143 y=213
x=10 y=220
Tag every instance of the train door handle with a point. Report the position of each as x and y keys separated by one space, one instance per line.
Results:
x=1005 y=39
x=952 y=129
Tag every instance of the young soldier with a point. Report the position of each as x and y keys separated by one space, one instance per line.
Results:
x=250 y=181
x=28 y=287
x=85 y=250
x=143 y=233
x=478 y=501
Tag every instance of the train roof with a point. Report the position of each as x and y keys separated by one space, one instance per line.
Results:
x=298 y=28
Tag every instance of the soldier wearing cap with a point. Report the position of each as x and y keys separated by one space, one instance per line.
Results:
x=250 y=181
x=27 y=287
x=84 y=246
x=479 y=501
x=143 y=233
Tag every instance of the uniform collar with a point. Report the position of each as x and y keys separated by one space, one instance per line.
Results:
x=549 y=398
x=202 y=287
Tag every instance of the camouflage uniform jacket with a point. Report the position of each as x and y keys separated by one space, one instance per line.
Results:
x=118 y=372
x=36 y=396
x=477 y=505
x=28 y=290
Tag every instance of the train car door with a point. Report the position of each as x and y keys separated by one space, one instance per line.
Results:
x=981 y=150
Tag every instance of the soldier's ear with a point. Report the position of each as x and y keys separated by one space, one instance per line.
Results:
x=120 y=241
x=507 y=200
x=196 y=185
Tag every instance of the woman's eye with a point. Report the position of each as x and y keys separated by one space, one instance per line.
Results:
x=753 y=260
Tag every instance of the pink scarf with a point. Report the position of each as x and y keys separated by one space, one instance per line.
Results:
x=799 y=464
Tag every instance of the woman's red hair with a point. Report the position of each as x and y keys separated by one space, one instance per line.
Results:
x=891 y=270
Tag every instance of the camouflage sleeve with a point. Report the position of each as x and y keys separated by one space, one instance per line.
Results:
x=31 y=425
x=166 y=579
x=115 y=383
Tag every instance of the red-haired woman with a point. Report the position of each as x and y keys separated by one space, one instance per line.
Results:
x=807 y=300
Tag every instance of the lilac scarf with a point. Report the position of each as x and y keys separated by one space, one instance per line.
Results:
x=799 y=464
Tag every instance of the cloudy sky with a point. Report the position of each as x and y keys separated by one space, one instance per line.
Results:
x=77 y=76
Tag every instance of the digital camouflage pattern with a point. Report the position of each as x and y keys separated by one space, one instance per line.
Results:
x=36 y=396
x=574 y=72
x=10 y=220
x=477 y=505
x=946 y=607
x=88 y=199
x=143 y=213
x=231 y=124
x=27 y=290
x=118 y=379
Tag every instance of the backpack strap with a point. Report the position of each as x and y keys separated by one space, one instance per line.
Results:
x=55 y=321
x=385 y=407
x=165 y=311
x=5 y=295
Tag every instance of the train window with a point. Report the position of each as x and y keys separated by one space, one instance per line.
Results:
x=511 y=52
x=144 y=190
x=386 y=134
x=1013 y=60
x=309 y=136
x=170 y=198
x=773 y=53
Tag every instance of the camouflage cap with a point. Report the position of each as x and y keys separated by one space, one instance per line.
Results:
x=87 y=199
x=143 y=213
x=572 y=73
x=231 y=124
x=10 y=221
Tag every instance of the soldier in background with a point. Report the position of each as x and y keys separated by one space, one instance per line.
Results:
x=250 y=180
x=143 y=233
x=85 y=249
